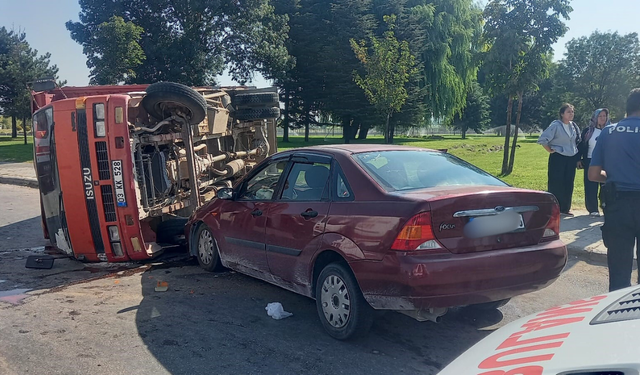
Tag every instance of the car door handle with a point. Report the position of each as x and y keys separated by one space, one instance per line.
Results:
x=309 y=214
x=256 y=212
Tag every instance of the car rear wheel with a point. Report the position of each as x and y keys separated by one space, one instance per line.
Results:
x=343 y=311
x=207 y=249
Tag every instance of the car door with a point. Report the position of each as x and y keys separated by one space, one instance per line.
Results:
x=243 y=219
x=297 y=218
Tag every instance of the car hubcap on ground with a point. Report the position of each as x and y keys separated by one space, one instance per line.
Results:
x=335 y=301
x=205 y=247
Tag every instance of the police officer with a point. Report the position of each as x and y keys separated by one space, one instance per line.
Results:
x=616 y=161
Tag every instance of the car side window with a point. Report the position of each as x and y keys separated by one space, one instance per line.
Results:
x=263 y=185
x=306 y=182
x=342 y=189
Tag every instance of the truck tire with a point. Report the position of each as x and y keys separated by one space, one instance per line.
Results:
x=261 y=99
x=175 y=94
x=247 y=114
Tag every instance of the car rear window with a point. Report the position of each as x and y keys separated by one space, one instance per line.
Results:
x=410 y=170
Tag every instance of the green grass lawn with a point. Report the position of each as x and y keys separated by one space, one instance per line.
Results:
x=14 y=149
x=529 y=170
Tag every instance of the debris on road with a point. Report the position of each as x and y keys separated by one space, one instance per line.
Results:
x=162 y=286
x=276 y=311
x=44 y=262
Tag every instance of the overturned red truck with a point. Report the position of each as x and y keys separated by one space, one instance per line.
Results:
x=120 y=168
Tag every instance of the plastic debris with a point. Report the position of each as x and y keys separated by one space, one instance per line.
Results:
x=162 y=286
x=276 y=311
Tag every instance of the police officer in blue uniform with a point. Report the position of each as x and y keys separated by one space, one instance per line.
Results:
x=616 y=161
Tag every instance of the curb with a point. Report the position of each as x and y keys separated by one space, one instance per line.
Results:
x=28 y=182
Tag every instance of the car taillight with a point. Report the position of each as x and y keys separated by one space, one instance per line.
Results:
x=553 y=226
x=417 y=234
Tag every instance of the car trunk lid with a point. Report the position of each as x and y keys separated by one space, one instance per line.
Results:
x=453 y=209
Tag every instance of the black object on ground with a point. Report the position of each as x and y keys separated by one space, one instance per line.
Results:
x=40 y=262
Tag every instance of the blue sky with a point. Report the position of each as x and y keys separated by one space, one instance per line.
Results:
x=43 y=21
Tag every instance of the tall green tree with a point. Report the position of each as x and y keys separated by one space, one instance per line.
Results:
x=19 y=65
x=448 y=37
x=192 y=41
x=475 y=115
x=600 y=70
x=115 y=52
x=389 y=67
x=519 y=35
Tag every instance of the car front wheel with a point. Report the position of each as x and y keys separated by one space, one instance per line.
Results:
x=207 y=249
x=343 y=311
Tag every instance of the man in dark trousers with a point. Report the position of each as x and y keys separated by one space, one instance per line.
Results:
x=616 y=161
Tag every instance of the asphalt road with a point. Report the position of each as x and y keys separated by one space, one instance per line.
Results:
x=81 y=319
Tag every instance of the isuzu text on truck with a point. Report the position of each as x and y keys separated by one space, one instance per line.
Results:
x=120 y=168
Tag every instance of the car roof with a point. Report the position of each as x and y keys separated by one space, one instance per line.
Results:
x=357 y=148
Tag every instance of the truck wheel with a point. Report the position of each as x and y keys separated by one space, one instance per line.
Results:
x=261 y=99
x=247 y=114
x=170 y=231
x=163 y=97
x=343 y=311
x=207 y=249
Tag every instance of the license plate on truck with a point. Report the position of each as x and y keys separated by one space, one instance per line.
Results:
x=121 y=199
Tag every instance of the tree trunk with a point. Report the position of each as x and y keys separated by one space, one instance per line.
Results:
x=14 y=127
x=507 y=135
x=463 y=131
x=387 y=130
x=392 y=129
x=364 y=130
x=307 y=121
x=346 y=129
x=285 y=122
x=24 y=129
x=515 y=136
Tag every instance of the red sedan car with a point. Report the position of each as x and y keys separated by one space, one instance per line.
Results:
x=364 y=227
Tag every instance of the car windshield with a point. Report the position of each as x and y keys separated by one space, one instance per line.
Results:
x=410 y=170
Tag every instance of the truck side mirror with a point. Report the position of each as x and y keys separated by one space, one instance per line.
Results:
x=225 y=193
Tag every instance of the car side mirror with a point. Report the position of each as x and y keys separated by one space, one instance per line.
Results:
x=225 y=193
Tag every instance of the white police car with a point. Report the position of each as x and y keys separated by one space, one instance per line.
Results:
x=594 y=336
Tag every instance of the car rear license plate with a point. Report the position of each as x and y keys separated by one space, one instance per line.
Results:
x=493 y=225
x=121 y=199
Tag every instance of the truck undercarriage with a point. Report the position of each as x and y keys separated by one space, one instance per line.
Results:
x=188 y=143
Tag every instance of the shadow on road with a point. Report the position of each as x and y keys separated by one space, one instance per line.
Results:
x=21 y=235
x=217 y=323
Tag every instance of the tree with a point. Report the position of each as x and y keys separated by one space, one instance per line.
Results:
x=519 y=35
x=600 y=70
x=19 y=65
x=441 y=34
x=389 y=68
x=114 y=53
x=475 y=115
x=447 y=38
x=192 y=41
